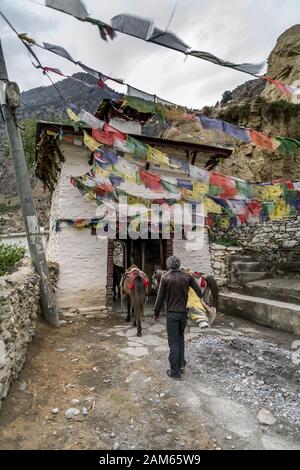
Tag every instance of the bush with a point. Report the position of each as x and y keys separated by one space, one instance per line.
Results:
x=225 y=241
x=9 y=256
x=7 y=208
x=282 y=110
x=236 y=113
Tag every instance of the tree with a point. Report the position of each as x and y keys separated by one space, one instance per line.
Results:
x=28 y=139
x=227 y=96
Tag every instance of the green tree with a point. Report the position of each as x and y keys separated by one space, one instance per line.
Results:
x=28 y=139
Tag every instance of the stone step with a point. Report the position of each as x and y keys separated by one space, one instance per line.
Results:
x=272 y=313
x=246 y=266
x=285 y=290
x=245 y=277
x=241 y=258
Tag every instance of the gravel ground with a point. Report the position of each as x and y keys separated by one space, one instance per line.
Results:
x=253 y=372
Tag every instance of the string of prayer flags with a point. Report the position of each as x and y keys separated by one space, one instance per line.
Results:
x=237 y=199
x=167 y=110
x=284 y=144
x=144 y=29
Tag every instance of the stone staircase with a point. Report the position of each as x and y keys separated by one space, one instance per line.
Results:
x=254 y=295
x=243 y=269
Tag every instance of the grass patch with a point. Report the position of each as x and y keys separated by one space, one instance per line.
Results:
x=122 y=401
x=7 y=208
x=9 y=256
x=225 y=241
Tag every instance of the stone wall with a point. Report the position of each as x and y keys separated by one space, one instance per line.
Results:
x=19 y=307
x=220 y=261
x=269 y=235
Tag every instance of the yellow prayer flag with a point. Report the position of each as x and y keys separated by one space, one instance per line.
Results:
x=200 y=189
x=156 y=156
x=212 y=207
x=268 y=193
x=281 y=211
x=72 y=115
x=91 y=143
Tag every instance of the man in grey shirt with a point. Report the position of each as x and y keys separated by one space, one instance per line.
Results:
x=173 y=290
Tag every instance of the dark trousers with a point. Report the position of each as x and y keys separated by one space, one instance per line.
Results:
x=176 y=323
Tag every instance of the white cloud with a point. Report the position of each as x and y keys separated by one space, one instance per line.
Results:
x=237 y=30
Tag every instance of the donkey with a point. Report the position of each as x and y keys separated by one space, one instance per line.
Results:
x=134 y=286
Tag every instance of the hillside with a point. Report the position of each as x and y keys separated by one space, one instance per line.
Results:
x=39 y=103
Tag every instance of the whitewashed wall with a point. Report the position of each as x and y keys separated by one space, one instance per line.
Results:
x=195 y=257
x=82 y=258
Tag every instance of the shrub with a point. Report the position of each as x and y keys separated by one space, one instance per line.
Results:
x=225 y=241
x=9 y=256
x=282 y=110
x=7 y=208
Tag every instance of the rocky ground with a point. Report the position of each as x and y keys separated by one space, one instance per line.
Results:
x=94 y=384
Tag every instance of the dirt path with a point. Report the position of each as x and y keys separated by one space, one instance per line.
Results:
x=118 y=384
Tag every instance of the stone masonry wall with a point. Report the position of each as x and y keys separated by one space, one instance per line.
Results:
x=269 y=235
x=19 y=307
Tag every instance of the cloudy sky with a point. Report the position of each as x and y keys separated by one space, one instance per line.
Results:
x=235 y=30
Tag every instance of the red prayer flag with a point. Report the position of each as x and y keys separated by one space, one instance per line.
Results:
x=261 y=139
x=228 y=188
x=115 y=132
x=103 y=137
x=281 y=86
x=151 y=181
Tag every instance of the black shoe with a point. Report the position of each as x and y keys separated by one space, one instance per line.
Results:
x=182 y=370
x=172 y=376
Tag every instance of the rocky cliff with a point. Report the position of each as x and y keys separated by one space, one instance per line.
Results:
x=269 y=112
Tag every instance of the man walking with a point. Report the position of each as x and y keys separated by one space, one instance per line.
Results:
x=173 y=289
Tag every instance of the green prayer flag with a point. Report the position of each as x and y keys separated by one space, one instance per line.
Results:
x=136 y=147
x=288 y=145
